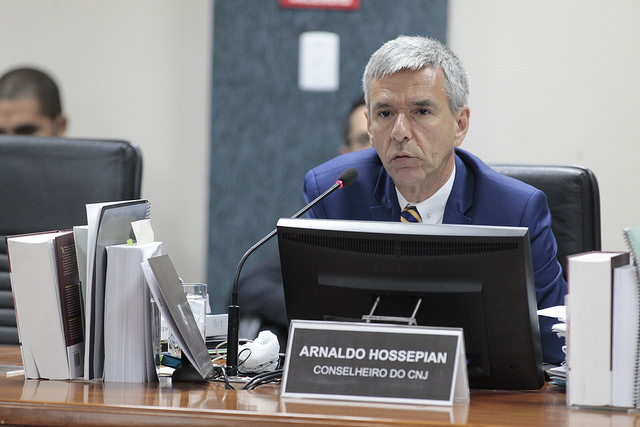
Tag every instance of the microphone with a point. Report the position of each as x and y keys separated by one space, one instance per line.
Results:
x=346 y=178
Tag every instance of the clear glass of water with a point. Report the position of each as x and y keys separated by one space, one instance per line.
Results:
x=196 y=294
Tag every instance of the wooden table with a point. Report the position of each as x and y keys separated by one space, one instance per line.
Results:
x=79 y=402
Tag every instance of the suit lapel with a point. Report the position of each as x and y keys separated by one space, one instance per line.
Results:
x=384 y=193
x=461 y=198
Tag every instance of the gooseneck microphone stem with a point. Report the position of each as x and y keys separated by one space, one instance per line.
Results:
x=233 y=325
x=233 y=318
x=334 y=187
x=265 y=239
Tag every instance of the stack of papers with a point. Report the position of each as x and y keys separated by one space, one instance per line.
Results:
x=128 y=323
x=558 y=374
x=558 y=312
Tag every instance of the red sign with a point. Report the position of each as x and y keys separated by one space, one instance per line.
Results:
x=321 y=4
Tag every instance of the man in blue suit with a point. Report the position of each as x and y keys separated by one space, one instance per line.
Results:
x=416 y=92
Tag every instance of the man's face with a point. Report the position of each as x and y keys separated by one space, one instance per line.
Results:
x=22 y=116
x=414 y=131
x=358 y=132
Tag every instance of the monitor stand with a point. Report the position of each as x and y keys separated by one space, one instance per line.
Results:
x=411 y=321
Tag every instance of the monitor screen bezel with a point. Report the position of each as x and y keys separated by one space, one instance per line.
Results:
x=506 y=366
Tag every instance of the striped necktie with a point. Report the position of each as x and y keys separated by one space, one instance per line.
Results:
x=410 y=214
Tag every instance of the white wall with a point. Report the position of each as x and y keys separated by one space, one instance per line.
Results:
x=557 y=82
x=552 y=82
x=136 y=70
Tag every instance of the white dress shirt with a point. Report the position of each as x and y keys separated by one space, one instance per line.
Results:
x=432 y=209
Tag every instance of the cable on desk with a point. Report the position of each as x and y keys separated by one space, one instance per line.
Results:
x=221 y=373
x=264 y=378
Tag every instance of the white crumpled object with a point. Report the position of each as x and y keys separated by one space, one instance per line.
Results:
x=259 y=355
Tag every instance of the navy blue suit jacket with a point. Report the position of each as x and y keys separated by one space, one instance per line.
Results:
x=479 y=196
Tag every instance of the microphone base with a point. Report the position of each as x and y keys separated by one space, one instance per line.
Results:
x=186 y=372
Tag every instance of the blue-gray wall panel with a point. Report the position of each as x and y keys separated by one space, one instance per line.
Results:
x=266 y=132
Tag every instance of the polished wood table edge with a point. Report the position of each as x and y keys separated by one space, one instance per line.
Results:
x=31 y=413
x=79 y=414
x=79 y=403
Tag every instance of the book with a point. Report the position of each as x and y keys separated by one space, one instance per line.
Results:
x=624 y=336
x=48 y=303
x=166 y=289
x=108 y=224
x=129 y=346
x=589 y=325
x=632 y=238
x=80 y=236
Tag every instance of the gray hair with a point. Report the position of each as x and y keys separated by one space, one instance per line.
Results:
x=415 y=53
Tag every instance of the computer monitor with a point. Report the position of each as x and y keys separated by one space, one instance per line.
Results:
x=478 y=278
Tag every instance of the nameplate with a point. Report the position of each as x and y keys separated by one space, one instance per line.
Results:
x=375 y=362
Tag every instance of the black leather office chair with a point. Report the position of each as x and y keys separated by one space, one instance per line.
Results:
x=45 y=184
x=574 y=201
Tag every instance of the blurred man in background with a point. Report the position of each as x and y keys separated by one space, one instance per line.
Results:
x=356 y=136
x=30 y=104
